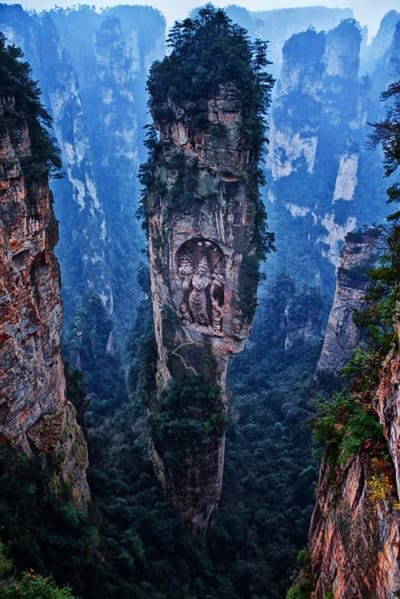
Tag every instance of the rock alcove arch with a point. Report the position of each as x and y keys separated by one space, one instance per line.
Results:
x=200 y=268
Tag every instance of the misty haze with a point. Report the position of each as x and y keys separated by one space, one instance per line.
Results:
x=199 y=300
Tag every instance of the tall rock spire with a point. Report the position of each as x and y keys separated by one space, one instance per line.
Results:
x=34 y=412
x=206 y=236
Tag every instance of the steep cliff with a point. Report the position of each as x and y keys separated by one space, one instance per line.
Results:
x=205 y=231
x=354 y=534
x=342 y=335
x=92 y=67
x=34 y=412
x=324 y=182
x=279 y=25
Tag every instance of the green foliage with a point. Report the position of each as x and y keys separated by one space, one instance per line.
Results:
x=16 y=82
x=30 y=586
x=384 y=292
x=206 y=52
x=189 y=414
x=364 y=367
x=40 y=529
x=249 y=279
x=27 y=586
x=302 y=587
x=141 y=347
x=345 y=426
x=134 y=544
x=88 y=346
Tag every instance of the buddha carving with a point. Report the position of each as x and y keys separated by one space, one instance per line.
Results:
x=199 y=294
x=201 y=270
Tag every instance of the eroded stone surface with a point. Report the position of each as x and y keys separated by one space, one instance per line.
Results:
x=197 y=275
x=34 y=412
x=342 y=334
x=354 y=536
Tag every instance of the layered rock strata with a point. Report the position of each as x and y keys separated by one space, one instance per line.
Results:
x=34 y=412
x=201 y=249
x=342 y=334
x=321 y=172
x=94 y=88
x=354 y=536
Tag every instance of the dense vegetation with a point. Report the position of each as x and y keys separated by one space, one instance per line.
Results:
x=347 y=424
x=131 y=544
x=16 y=83
x=188 y=416
x=207 y=52
x=89 y=346
x=27 y=586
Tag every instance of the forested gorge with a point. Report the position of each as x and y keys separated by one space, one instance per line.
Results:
x=281 y=419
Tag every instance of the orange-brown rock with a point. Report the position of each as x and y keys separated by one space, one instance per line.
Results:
x=34 y=412
x=198 y=273
x=355 y=530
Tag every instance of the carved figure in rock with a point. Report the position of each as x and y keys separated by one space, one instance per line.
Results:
x=201 y=270
x=185 y=314
x=217 y=296
x=198 y=296
x=185 y=272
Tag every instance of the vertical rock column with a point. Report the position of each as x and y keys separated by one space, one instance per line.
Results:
x=34 y=412
x=202 y=223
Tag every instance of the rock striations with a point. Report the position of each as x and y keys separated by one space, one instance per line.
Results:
x=354 y=535
x=203 y=216
x=92 y=66
x=342 y=334
x=34 y=412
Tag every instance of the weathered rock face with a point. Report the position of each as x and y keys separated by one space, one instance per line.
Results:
x=342 y=335
x=354 y=536
x=92 y=68
x=34 y=412
x=278 y=25
x=324 y=183
x=199 y=254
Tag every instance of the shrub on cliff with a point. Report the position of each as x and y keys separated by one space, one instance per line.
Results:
x=345 y=426
x=190 y=413
x=16 y=83
x=208 y=51
x=27 y=586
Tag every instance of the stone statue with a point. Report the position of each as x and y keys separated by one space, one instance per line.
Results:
x=185 y=314
x=198 y=296
x=217 y=296
x=201 y=270
x=185 y=272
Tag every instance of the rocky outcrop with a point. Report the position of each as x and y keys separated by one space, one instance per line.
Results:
x=320 y=170
x=93 y=85
x=198 y=270
x=342 y=334
x=279 y=24
x=206 y=234
x=354 y=535
x=34 y=412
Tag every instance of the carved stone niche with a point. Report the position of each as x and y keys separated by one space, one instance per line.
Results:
x=200 y=268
